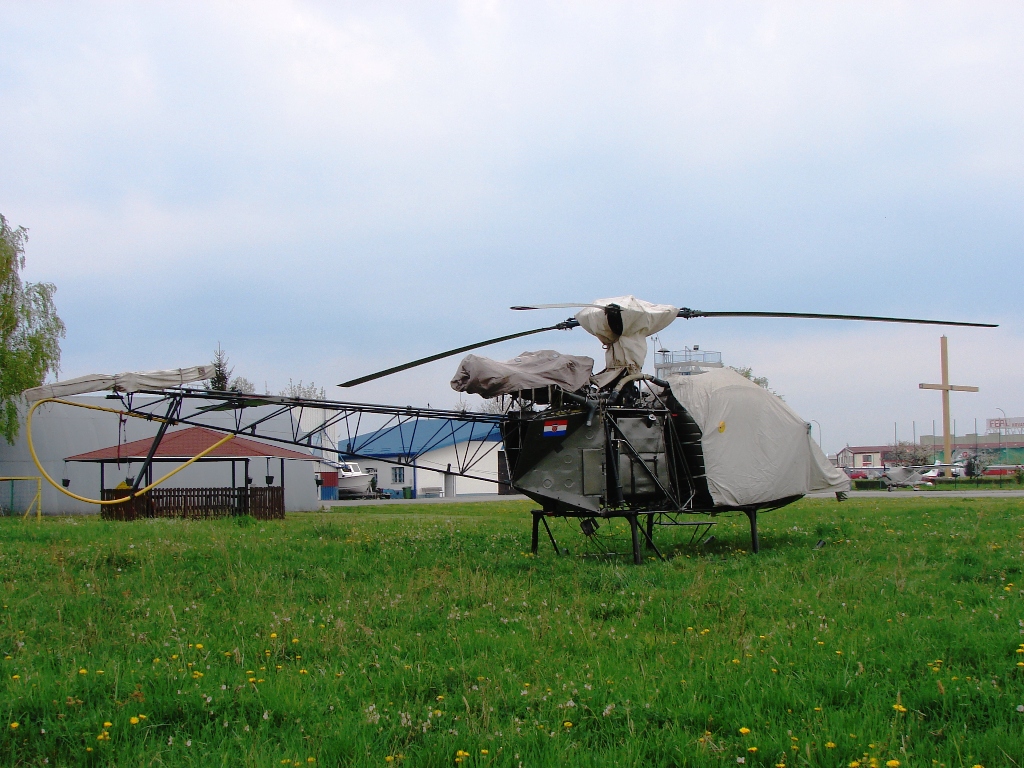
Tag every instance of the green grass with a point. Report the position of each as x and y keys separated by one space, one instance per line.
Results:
x=420 y=632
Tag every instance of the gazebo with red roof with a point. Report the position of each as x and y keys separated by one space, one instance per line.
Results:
x=180 y=446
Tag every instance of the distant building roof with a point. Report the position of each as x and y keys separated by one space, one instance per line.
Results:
x=418 y=436
x=867 y=448
x=185 y=443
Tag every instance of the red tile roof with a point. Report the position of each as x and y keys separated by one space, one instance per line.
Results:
x=188 y=442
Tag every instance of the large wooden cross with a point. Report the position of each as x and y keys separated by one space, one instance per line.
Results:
x=946 y=388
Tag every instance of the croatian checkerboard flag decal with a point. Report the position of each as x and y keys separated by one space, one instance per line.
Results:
x=555 y=428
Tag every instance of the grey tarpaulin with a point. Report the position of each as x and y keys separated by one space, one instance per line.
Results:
x=756 y=449
x=120 y=382
x=530 y=370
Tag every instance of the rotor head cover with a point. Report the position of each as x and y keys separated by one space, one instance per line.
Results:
x=623 y=325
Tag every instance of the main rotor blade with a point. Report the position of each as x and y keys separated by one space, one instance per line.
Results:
x=441 y=355
x=687 y=314
x=556 y=306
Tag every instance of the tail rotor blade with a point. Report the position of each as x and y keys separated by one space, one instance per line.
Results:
x=687 y=314
x=441 y=355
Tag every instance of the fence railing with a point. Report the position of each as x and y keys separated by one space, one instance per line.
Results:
x=196 y=503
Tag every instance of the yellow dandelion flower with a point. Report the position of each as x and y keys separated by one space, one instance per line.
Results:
x=752 y=750
x=83 y=671
x=156 y=660
x=389 y=759
x=142 y=717
x=310 y=759
x=437 y=713
x=440 y=698
x=107 y=724
x=88 y=749
x=133 y=720
x=199 y=646
x=899 y=708
x=14 y=726
x=830 y=745
x=99 y=671
x=15 y=677
x=295 y=639
x=892 y=763
x=567 y=724
x=273 y=635
x=303 y=672
x=744 y=731
x=484 y=752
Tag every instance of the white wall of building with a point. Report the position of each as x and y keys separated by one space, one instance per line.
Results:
x=60 y=431
x=431 y=466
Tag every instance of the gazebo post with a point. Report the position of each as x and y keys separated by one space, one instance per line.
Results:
x=103 y=466
x=282 y=484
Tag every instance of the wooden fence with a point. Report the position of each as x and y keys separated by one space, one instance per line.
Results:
x=196 y=503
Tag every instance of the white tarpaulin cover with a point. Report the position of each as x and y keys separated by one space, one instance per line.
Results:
x=756 y=449
x=530 y=370
x=120 y=382
x=627 y=350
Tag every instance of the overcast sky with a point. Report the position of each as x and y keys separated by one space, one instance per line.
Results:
x=330 y=189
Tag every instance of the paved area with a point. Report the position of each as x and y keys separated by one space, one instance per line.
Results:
x=459 y=499
x=965 y=493
x=968 y=493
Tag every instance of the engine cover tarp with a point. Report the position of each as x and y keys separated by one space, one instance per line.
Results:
x=628 y=350
x=756 y=449
x=530 y=370
x=120 y=382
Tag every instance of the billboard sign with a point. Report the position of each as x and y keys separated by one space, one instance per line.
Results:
x=1012 y=425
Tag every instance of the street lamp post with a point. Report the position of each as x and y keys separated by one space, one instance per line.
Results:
x=1001 y=454
x=819 y=434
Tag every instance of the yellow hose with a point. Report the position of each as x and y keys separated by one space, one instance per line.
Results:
x=141 y=491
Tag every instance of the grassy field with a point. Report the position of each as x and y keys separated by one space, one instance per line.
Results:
x=428 y=636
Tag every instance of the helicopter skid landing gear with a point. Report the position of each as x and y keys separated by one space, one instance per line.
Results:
x=539 y=516
x=634 y=526
x=637 y=530
x=754 y=544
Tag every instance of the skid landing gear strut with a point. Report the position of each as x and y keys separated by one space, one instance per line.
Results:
x=754 y=544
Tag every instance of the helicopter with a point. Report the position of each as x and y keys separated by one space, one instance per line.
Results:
x=591 y=447
x=624 y=444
